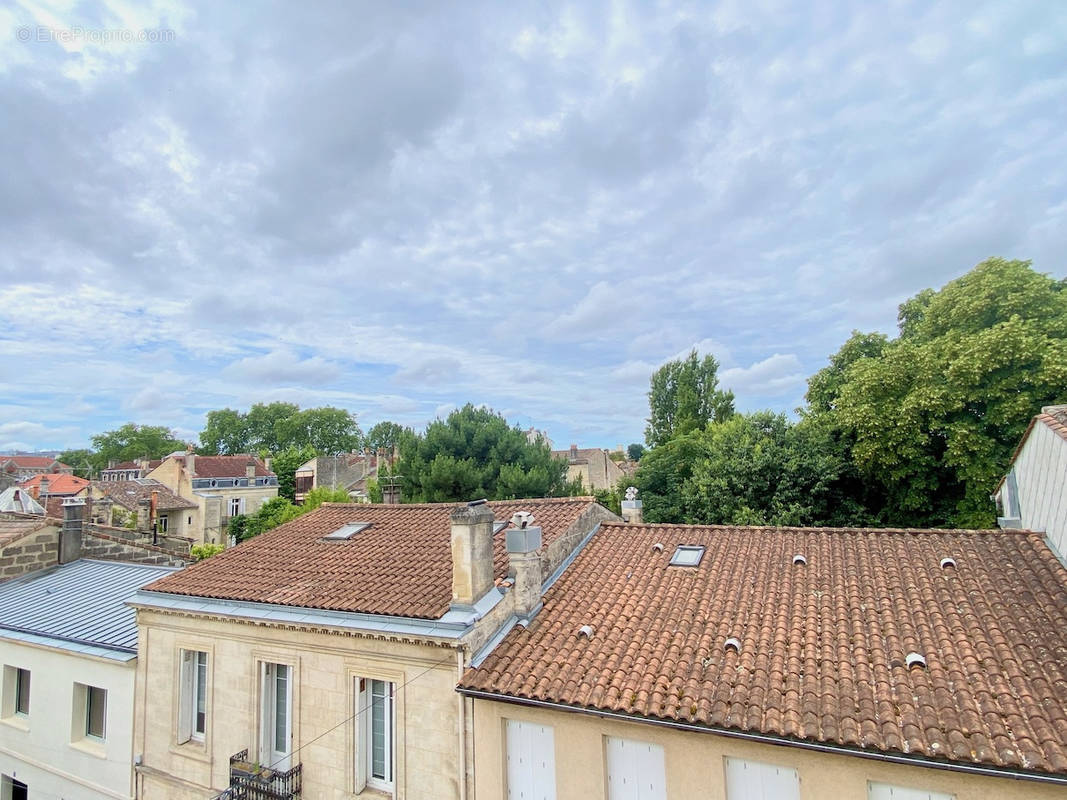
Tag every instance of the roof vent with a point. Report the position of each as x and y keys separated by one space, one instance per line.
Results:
x=947 y=562
x=498 y=526
x=586 y=631
x=799 y=560
x=733 y=643
x=687 y=556
x=915 y=660
x=657 y=547
x=347 y=531
x=474 y=503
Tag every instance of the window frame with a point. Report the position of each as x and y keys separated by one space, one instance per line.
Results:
x=193 y=680
x=90 y=692
x=363 y=750
x=22 y=693
x=269 y=754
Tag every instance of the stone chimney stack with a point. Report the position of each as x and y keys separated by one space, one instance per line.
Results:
x=70 y=538
x=574 y=452
x=45 y=484
x=103 y=509
x=472 y=553
x=250 y=469
x=144 y=515
x=631 y=507
x=190 y=464
x=524 y=563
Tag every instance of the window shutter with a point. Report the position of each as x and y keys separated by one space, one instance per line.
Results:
x=362 y=732
x=186 y=698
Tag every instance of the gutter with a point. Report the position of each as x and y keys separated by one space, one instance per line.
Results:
x=914 y=761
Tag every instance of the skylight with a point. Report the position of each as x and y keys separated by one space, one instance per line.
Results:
x=498 y=527
x=347 y=531
x=687 y=555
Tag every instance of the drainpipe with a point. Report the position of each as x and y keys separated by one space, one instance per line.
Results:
x=462 y=728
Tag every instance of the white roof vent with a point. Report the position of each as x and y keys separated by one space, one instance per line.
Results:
x=799 y=560
x=947 y=562
x=586 y=631
x=733 y=643
x=522 y=519
x=915 y=660
x=687 y=555
x=347 y=531
x=657 y=547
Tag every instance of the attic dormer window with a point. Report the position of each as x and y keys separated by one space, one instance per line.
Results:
x=687 y=555
x=347 y=531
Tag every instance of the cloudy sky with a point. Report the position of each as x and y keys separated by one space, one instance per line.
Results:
x=397 y=208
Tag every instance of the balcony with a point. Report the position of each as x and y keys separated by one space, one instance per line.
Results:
x=250 y=781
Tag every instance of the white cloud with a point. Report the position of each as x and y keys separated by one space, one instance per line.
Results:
x=772 y=377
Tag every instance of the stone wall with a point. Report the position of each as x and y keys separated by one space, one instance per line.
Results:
x=109 y=547
x=32 y=552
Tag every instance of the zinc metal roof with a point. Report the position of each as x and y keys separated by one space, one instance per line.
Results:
x=81 y=603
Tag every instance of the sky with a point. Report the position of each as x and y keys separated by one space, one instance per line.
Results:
x=398 y=208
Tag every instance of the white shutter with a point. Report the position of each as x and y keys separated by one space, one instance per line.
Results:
x=885 y=791
x=753 y=780
x=531 y=767
x=186 y=696
x=636 y=770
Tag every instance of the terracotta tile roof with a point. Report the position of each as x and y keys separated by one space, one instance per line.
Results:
x=1055 y=417
x=13 y=528
x=401 y=565
x=58 y=483
x=226 y=466
x=823 y=645
x=129 y=494
x=32 y=462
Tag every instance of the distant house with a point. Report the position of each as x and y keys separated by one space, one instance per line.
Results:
x=155 y=505
x=672 y=662
x=69 y=649
x=25 y=467
x=348 y=471
x=129 y=470
x=54 y=484
x=593 y=465
x=221 y=486
x=1033 y=494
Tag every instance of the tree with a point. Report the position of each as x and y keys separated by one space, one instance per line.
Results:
x=387 y=435
x=474 y=453
x=277 y=511
x=133 y=441
x=935 y=413
x=82 y=461
x=262 y=427
x=328 y=431
x=685 y=396
x=635 y=451
x=285 y=465
x=225 y=433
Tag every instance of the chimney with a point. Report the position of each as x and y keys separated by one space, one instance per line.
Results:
x=472 y=553
x=631 y=507
x=111 y=463
x=70 y=538
x=144 y=515
x=574 y=452
x=390 y=486
x=152 y=510
x=523 y=542
x=250 y=469
x=45 y=483
x=103 y=510
x=190 y=464
x=267 y=462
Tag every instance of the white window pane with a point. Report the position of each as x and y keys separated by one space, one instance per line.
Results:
x=201 y=693
x=95 y=712
x=636 y=770
x=885 y=791
x=531 y=755
x=754 y=780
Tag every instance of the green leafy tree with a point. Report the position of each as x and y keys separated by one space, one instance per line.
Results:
x=635 y=451
x=328 y=431
x=277 y=511
x=685 y=396
x=475 y=453
x=935 y=413
x=83 y=461
x=225 y=433
x=263 y=423
x=387 y=435
x=323 y=494
x=285 y=465
x=132 y=441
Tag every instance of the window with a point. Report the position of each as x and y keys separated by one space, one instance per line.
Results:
x=374 y=738
x=636 y=770
x=161 y=523
x=687 y=556
x=531 y=768
x=22 y=691
x=192 y=713
x=11 y=789
x=883 y=791
x=237 y=506
x=16 y=699
x=753 y=780
x=276 y=732
x=95 y=712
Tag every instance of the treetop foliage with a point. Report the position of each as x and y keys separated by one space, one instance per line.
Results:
x=685 y=396
x=273 y=427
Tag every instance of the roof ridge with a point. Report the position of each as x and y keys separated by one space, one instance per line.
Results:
x=810 y=528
